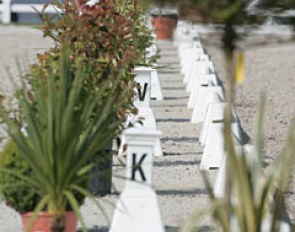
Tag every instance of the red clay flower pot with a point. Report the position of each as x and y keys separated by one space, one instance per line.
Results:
x=44 y=220
x=164 y=26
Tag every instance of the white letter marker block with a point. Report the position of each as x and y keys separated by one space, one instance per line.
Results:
x=188 y=56
x=148 y=123
x=156 y=90
x=215 y=112
x=194 y=69
x=206 y=96
x=142 y=102
x=184 y=33
x=213 y=135
x=201 y=80
x=183 y=46
x=214 y=147
x=202 y=67
x=137 y=208
x=219 y=185
x=143 y=92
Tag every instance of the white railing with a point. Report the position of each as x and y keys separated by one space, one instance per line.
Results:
x=7 y=8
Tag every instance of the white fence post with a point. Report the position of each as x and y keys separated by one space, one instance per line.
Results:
x=142 y=102
x=138 y=209
x=6 y=13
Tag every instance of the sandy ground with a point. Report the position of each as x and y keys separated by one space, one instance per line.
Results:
x=176 y=177
x=269 y=71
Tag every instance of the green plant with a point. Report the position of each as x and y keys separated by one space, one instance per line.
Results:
x=17 y=195
x=141 y=34
x=110 y=36
x=62 y=134
x=94 y=40
x=16 y=192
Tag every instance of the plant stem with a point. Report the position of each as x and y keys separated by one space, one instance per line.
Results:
x=228 y=49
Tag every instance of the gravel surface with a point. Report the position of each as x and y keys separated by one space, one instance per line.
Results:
x=269 y=71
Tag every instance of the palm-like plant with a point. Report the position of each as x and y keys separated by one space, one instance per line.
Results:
x=61 y=134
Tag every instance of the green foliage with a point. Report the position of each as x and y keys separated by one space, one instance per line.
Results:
x=14 y=174
x=13 y=187
x=110 y=37
x=63 y=134
x=141 y=34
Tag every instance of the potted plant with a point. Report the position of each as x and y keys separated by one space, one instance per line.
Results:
x=164 y=18
x=21 y=197
x=60 y=136
x=111 y=37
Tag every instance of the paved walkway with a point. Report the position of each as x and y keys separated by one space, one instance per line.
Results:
x=177 y=178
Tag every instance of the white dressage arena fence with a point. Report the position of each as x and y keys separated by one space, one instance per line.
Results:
x=138 y=208
x=143 y=78
x=7 y=7
x=203 y=81
x=205 y=96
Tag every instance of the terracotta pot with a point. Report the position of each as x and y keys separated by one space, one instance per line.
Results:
x=44 y=219
x=164 y=26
